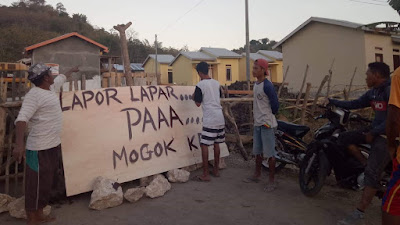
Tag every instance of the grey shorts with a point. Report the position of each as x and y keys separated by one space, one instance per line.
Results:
x=377 y=161
x=264 y=141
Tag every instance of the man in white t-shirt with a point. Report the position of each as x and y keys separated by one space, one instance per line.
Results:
x=207 y=94
x=41 y=108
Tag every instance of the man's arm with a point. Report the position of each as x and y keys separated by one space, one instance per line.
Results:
x=393 y=128
x=19 y=150
x=62 y=78
x=198 y=96
x=273 y=98
x=359 y=103
x=29 y=107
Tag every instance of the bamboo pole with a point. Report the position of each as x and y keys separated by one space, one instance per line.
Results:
x=229 y=115
x=330 y=79
x=351 y=84
x=318 y=93
x=301 y=90
x=283 y=82
x=303 y=112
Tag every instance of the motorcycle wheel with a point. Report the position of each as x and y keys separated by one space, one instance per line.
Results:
x=312 y=182
x=279 y=164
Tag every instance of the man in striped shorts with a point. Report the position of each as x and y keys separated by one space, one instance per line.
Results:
x=391 y=199
x=207 y=94
x=41 y=108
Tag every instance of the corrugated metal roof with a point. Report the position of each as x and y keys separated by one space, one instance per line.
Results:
x=136 y=67
x=220 y=53
x=342 y=23
x=255 y=56
x=272 y=54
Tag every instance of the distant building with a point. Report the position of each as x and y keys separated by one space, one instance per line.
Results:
x=275 y=65
x=224 y=66
x=320 y=41
x=163 y=67
x=67 y=51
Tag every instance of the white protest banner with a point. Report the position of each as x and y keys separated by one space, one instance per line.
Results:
x=126 y=133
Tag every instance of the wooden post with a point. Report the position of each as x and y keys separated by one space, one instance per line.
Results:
x=119 y=79
x=124 y=48
x=112 y=77
x=283 y=82
x=351 y=84
x=229 y=115
x=76 y=85
x=104 y=82
x=3 y=120
x=330 y=79
x=303 y=112
x=13 y=88
x=300 y=92
x=318 y=93
x=83 y=82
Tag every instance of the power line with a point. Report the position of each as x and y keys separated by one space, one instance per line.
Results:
x=370 y=3
x=173 y=23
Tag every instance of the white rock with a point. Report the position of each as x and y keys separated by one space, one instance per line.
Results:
x=145 y=181
x=134 y=194
x=4 y=201
x=158 y=187
x=177 y=175
x=106 y=194
x=17 y=209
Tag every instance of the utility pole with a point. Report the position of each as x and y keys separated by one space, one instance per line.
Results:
x=247 y=45
x=156 y=61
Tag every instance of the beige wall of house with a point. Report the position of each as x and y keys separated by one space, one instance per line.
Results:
x=222 y=66
x=276 y=69
x=182 y=71
x=161 y=68
x=318 y=44
x=380 y=44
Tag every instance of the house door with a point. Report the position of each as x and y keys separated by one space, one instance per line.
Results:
x=396 y=61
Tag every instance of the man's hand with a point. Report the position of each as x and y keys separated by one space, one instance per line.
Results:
x=72 y=70
x=19 y=153
x=369 y=138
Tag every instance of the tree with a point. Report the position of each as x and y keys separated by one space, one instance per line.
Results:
x=395 y=5
x=80 y=18
x=256 y=45
x=61 y=9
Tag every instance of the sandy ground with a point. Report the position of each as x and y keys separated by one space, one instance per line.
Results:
x=224 y=200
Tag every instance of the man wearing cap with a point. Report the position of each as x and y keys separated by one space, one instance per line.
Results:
x=41 y=108
x=265 y=106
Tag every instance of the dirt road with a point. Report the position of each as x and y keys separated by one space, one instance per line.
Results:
x=224 y=200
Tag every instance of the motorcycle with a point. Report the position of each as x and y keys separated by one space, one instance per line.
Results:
x=324 y=156
x=290 y=147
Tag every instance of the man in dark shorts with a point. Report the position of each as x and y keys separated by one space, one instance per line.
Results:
x=378 y=79
x=41 y=108
x=207 y=95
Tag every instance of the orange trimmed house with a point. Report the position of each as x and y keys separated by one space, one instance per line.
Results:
x=68 y=51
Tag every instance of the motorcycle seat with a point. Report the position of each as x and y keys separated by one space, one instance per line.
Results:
x=293 y=129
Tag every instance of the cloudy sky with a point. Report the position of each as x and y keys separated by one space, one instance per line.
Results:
x=220 y=23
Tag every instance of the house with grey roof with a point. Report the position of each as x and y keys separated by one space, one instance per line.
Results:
x=224 y=66
x=275 y=65
x=163 y=67
x=345 y=46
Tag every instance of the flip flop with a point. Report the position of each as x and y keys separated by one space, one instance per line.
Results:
x=251 y=180
x=199 y=178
